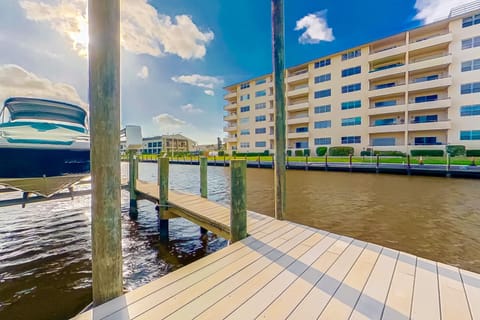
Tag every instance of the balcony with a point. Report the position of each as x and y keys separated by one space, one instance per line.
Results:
x=430 y=105
x=231 y=106
x=298 y=106
x=303 y=91
x=387 y=52
x=230 y=117
x=397 y=88
x=230 y=128
x=230 y=95
x=231 y=139
x=298 y=120
x=389 y=70
x=427 y=126
x=430 y=62
x=297 y=76
x=430 y=41
x=430 y=84
x=387 y=128
x=297 y=135
x=387 y=110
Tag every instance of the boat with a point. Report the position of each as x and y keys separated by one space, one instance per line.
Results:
x=44 y=145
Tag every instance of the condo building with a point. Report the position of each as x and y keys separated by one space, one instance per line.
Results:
x=419 y=89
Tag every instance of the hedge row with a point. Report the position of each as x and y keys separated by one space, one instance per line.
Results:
x=427 y=153
x=250 y=154
x=340 y=151
x=455 y=150
x=473 y=153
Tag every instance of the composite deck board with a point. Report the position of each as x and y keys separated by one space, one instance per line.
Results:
x=286 y=270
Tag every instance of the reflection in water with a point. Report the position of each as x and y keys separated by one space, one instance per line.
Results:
x=45 y=248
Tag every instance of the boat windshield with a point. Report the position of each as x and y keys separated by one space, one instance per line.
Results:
x=39 y=109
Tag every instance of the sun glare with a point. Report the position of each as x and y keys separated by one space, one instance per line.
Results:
x=80 y=37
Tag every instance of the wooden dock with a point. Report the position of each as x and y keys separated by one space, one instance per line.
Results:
x=286 y=270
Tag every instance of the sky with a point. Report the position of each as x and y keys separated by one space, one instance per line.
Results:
x=177 y=55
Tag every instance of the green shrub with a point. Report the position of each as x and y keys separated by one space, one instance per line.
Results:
x=321 y=151
x=366 y=153
x=250 y=154
x=456 y=150
x=289 y=153
x=389 y=153
x=427 y=153
x=340 y=151
x=221 y=153
x=473 y=153
x=234 y=153
x=306 y=152
x=299 y=153
x=266 y=153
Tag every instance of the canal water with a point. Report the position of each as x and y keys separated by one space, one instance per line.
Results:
x=45 y=248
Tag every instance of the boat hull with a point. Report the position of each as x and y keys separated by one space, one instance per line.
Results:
x=42 y=171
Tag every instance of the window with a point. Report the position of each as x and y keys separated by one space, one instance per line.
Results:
x=420 y=99
x=473 y=110
x=383 y=142
x=322 y=63
x=260 y=130
x=244 y=144
x=351 y=71
x=260 y=144
x=301 y=129
x=470 y=21
x=323 y=124
x=470 y=135
x=323 y=78
x=261 y=81
x=386 y=103
x=245 y=109
x=261 y=93
x=261 y=105
x=149 y=144
x=385 y=85
x=351 y=139
x=426 y=141
x=351 y=104
x=245 y=97
x=323 y=109
x=244 y=120
x=244 y=132
x=351 y=54
x=384 y=122
x=351 y=88
x=323 y=141
x=423 y=119
x=323 y=93
x=471 y=65
x=301 y=145
x=355 y=121
x=468 y=88
x=426 y=78
x=260 y=118
x=244 y=85
x=470 y=43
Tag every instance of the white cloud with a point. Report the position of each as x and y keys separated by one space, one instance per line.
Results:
x=433 y=10
x=197 y=80
x=143 y=73
x=316 y=28
x=16 y=81
x=167 y=122
x=189 y=108
x=143 y=29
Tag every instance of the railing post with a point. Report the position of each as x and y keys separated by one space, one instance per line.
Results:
x=132 y=183
x=104 y=101
x=326 y=162
x=350 y=161
x=238 y=202
x=378 y=163
x=306 y=163
x=163 y=171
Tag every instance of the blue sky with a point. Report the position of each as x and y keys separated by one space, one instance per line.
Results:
x=178 y=55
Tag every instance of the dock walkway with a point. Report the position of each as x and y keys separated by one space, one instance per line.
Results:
x=286 y=270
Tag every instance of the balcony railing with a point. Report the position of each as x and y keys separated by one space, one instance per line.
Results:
x=390 y=66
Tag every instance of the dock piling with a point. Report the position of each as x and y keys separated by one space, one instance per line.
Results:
x=238 y=202
x=203 y=186
x=132 y=184
x=163 y=171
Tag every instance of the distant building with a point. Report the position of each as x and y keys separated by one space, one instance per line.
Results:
x=165 y=143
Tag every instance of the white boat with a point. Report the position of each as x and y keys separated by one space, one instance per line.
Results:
x=44 y=145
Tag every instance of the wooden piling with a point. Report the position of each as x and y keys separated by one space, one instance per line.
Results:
x=279 y=89
x=132 y=184
x=163 y=171
x=238 y=202
x=104 y=101
x=203 y=177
